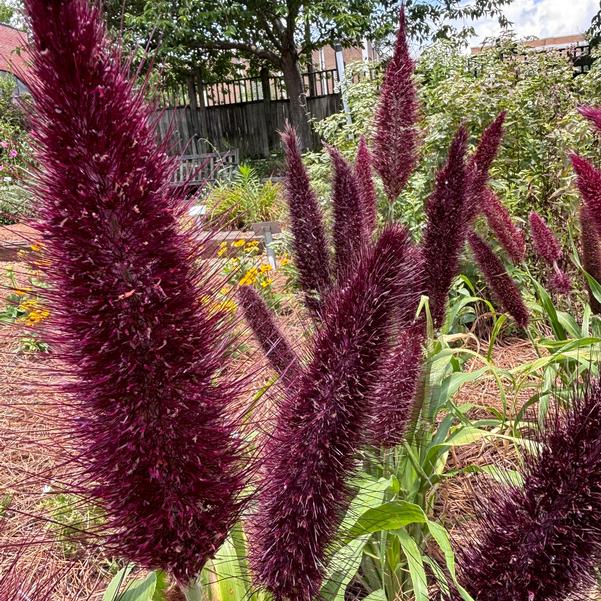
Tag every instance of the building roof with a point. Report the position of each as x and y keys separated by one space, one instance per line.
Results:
x=554 y=43
x=11 y=59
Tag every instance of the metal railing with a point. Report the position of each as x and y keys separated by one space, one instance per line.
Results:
x=246 y=89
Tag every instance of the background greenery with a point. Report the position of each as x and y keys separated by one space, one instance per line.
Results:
x=539 y=93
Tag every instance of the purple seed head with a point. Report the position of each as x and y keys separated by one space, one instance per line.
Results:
x=540 y=541
x=348 y=231
x=503 y=287
x=480 y=163
x=545 y=243
x=444 y=237
x=144 y=357
x=500 y=222
x=321 y=426
x=590 y=252
x=560 y=282
x=367 y=190
x=396 y=139
x=394 y=395
x=272 y=340
x=306 y=222
x=589 y=184
x=593 y=114
x=488 y=147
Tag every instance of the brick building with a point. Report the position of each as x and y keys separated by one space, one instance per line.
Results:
x=13 y=55
x=325 y=58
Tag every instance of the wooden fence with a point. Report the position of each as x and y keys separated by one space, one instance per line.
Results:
x=250 y=127
x=244 y=114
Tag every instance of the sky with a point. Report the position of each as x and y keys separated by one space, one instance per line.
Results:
x=541 y=18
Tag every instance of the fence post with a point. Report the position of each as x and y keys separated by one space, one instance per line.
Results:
x=267 y=129
x=193 y=104
x=342 y=81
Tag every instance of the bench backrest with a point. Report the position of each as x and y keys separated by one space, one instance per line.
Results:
x=197 y=169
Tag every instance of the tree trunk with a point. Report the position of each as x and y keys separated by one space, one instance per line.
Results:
x=293 y=80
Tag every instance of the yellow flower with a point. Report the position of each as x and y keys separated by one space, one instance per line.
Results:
x=36 y=247
x=266 y=282
x=28 y=305
x=222 y=250
x=252 y=244
x=226 y=306
x=238 y=243
x=265 y=267
x=249 y=277
x=284 y=262
x=36 y=316
x=20 y=292
x=225 y=290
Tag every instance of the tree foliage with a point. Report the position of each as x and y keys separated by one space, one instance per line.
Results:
x=186 y=31
x=594 y=31
x=203 y=35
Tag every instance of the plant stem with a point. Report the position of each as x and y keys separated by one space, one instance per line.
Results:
x=193 y=592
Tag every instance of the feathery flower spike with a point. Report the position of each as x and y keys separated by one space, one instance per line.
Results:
x=593 y=114
x=590 y=243
x=312 y=451
x=273 y=342
x=480 y=163
x=540 y=541
x=589 y=184
x=309 y=238
x=445 y=233
x=560 y=281
x=396 y=139
x=348 y=230
x=367 y=190
x=394 y=394
x=498 y=279
x=147 y=387
x=545 y=243
x=500 y=222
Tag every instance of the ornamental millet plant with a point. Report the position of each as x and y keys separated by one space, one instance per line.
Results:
x=147 y=384
x=444 y=236
x=540 y=541
x=590 y=252
x=396 y=140
x=310 y=248
x=503 y=287
x=502 y=225
x=548 y=248
x=367 y=190
x=322 y=424
x=349 y=232
x=588 y=181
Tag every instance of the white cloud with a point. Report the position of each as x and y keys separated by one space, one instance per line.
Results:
x=541 y=18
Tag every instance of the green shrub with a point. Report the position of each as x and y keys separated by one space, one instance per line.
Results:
x=245 y=200
x=15 y=204
x=15 y=153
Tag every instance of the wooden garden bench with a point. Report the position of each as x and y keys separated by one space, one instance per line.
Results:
x=198 y=169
